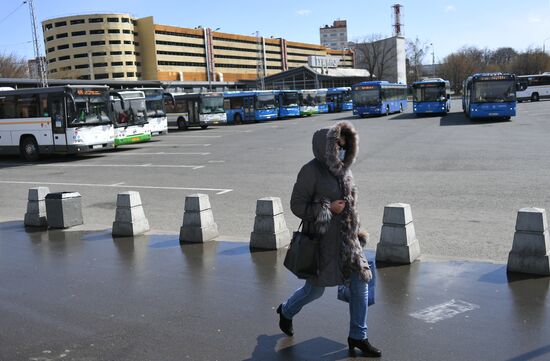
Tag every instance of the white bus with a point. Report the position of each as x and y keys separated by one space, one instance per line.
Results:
x=129 y=114
x=156 y=114
x=533 y=87
x=63 y=119
x=195 y=109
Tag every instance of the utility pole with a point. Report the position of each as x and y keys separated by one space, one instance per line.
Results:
x=433 y=60
x=260 y=64
x=41 y=66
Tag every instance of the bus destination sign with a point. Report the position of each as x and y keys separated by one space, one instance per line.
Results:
x=366 y=87
x=494 y=77
x=84 y=92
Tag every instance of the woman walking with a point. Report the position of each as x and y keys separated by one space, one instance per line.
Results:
x=324 y=197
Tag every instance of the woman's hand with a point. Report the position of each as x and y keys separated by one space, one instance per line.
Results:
x=337 y=206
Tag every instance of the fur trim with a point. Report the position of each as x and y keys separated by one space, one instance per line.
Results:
x=346 y=132
x=323 y=215
x=363 y=238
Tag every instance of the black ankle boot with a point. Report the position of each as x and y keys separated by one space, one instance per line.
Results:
x=364 y=345
x=285 y=324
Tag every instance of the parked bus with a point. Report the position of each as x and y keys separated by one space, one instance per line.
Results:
x=288 y=102
x=195 y=109
x=378 y=97
x=62 y=119
x=431 y=96
x=156 y=114
x=129 y=113
x=339 y=99
x=250 y=106
x=489 y=95
x=321 y=100
x=533 y=87
x=308 y=102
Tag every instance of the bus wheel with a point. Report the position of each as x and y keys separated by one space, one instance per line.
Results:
x=535 y=97
x=182 y=124
x=29 y=149
x=204 y=126
x=237 y=119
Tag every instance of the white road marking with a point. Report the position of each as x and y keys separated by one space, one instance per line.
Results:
x=444 y=311
x=216 y=161
x=217 y=190
x=192 y=136
x=120 y=165
x=117 y=184
x=173 y=145
x=163 y=153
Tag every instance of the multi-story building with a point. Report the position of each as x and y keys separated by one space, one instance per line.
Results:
x=117 y=46
x=335 y=36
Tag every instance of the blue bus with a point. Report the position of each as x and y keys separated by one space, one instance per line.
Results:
x=308 y=102
x=431 y=96
x=250 y=106
x=378 y=97
x=289 y=103
x=321 y=100
x=489 y=95
x=339 y=99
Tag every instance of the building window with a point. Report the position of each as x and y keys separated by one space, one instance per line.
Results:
x=100 y=65
x=64 y=46
x=101 y=53
x=51 y=49
x=118 y=75
x=78 y=33
x=126 y=31
x=48 y=26
x=49 y=38
x=114 y=31
x=77 y=21
x=102 y=76
x=183 y=63
x=82 y=55
x=125 y=20
x=128 y=42
x=129 y=63
x=116 y=52
x=79 y=45
x=97 y=31
x=65 y=68
x=52 y=60
x=113 y=20
x=128 y=52
x=94 y=43
x=62 y=35
x=114 y=42
x=66 y=57
x=95 y=20
x=60 y=24
x=117 y=63
x=136 y=53
x=82 y=66
x=130 y=74
x=53 y=71
x=135 y=33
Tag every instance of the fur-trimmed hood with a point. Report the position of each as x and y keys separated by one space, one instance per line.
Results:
x=325 y=145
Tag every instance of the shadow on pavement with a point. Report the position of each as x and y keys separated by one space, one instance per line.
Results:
x=532 y=354
x=461 y=119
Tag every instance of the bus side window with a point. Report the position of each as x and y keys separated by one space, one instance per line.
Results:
x=226 y=104
x=7 y=107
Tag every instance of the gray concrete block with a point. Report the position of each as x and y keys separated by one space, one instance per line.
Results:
x=198 y=219
x=269 y=206
x=531 y=243
x=132 y=214
x=130 y=229
x=36 y=207
x=532 y=220
x=537 y=265
x=270 y=224
x=35 y=220
x=270 y=240
x=397 y=213
x=197 y=202
x=64 y=209
x=128 y=199
x=38 y=193
x=398 y=254
x=398 y=235
x=198 y=234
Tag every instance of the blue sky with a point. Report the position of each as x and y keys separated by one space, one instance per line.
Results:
x=448 y=24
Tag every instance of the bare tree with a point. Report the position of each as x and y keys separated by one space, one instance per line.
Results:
x=13 y=66
x=416 y=51
x=532 y=61
x=375 y=54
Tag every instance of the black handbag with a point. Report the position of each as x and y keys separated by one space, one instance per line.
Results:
x=302 y=257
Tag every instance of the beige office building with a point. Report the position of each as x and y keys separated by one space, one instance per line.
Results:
x=117 y=46
x=335 y=36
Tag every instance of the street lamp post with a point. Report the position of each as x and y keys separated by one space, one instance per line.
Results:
x=544 y=45
x=433 y=60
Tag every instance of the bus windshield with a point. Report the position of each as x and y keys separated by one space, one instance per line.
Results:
x=429 y=94
x=290 y=99
x=212 y=105
x=155 y=108
x=366 y=97
x=308 y=99
x=265 y=101
x=321 y=98
x=90 y=110
x=494 y=91
x=347 y=95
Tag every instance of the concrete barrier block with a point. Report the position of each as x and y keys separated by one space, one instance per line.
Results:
x=398 y=235
x=269 y=206
x=532 y=220
x=531 y=243
x=193 y=234
x=38 y=193
x=397 y=213
x=134 y=214
x=64 y=209
x=128 y=199
x=270 y=240
x=197 y=202
x=537 y=265
x=36 y=215
x=198 y=219
x=270 y=224
x=130 y=229
x=398 y=253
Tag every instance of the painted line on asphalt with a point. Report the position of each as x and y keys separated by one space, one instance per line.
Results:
x=146 y=165
x=163 y=153
x=193 y=136
x=434 y=314
x=121 y=185
x=172 y=145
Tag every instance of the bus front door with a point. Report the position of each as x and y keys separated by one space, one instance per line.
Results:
x=193 y=109
x=248 y=106
x=58 y=113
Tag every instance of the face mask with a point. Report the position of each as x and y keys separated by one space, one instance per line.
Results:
x=341 y=154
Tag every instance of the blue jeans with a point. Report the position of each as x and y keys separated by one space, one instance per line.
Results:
x=358 y=308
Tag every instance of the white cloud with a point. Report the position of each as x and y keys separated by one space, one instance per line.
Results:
x=303 y=12
x=534 y=19
x=450 y=9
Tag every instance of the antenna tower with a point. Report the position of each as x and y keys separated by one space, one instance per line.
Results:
x=40 y=64
x=397 y=25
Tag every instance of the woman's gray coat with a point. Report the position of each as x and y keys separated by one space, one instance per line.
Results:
x=321 y=181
